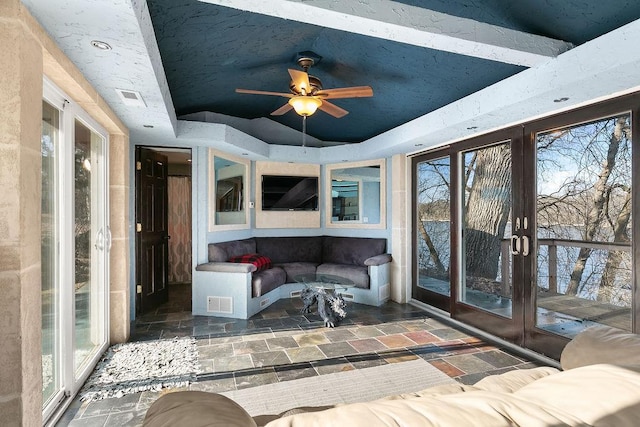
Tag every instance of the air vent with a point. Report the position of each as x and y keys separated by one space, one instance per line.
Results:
x=295 y=294
x=347 y=296
x=131 y=97
x=220 y=305
x=264 y=302
x=383 y=292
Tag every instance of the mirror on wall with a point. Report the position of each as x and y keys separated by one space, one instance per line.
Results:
x=229 y=194
x=227 y=191
x=356 y=194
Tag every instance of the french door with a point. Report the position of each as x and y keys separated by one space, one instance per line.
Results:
x=526 y=233
x=75 y=245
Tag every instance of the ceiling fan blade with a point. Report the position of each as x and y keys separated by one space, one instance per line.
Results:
x=262 y=92
x=284 y=109
x=333 y=109
x=300 y=80
x=347 y=92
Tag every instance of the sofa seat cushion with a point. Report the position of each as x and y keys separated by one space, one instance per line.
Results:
x=260 y=261
x=351 y=250
x=357 y=274
x=601 y=344
x=294 y=269
x=283 y=250
x=265 y=281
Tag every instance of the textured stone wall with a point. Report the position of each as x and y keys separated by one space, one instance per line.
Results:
x=20 y=113
x=28 y=54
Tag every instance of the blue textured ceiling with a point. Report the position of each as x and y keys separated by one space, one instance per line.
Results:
x=207 y=51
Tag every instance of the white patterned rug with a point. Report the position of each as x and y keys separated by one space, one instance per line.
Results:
x=345 y=387
x=140 y=366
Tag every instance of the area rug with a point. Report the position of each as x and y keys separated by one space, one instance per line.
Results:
x=140 y=366
x=358 y=385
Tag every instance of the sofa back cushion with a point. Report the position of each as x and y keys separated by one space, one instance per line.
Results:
x=290 y=249
x=351 y=250
x=221 y=252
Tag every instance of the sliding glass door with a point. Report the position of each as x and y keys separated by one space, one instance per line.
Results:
x=466 y=232
x=490 y=234
x=90 y=236
x=527 y=233
x=485 y=294
x=584 y=269
x=75 y=244
x=432 y=231
x=51 y=308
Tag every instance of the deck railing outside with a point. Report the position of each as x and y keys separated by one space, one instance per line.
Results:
x=553 y=245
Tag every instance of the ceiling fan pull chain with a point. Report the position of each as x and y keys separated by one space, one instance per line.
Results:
x=304 y=133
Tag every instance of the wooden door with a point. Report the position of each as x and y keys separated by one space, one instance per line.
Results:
x=152 y=237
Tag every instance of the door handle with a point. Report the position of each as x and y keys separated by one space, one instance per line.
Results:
x=525 y=245
x=108 y=239
x=515 y=245
x=100 y=240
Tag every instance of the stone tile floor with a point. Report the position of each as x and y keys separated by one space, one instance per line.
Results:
x=281 y=344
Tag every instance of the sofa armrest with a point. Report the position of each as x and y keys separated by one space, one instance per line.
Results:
x=601 y=344
x=196 y=409
x=378 y=260
x=227 y=267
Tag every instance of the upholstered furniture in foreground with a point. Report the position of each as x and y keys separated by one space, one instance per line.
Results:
x=598 y=386
x=230 y=286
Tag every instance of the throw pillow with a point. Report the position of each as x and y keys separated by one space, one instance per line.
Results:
x=260 y=261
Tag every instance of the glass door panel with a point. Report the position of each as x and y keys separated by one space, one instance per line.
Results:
x=74 y=248
x=584 y=222
x=485 y=188
x=433 y=231
x=51 y=337
x=89 y=236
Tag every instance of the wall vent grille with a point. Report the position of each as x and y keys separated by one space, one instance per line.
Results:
x=131 y=97
x=220 y=305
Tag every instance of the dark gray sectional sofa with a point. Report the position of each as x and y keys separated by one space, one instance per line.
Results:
x=355 y=258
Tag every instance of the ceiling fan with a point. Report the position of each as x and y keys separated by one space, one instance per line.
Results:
x=307 y=94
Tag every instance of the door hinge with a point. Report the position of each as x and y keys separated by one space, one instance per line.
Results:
x=138 y=289
x=138 y=166
x=138 y=227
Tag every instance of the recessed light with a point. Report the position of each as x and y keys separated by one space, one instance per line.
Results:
x=148 y=126
x=98 y=44
x=563 y=99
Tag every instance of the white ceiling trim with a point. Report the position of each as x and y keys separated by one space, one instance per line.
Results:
x=412 y=25
x=604 y=68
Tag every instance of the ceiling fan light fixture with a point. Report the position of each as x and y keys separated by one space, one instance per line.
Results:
x=305 y=105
